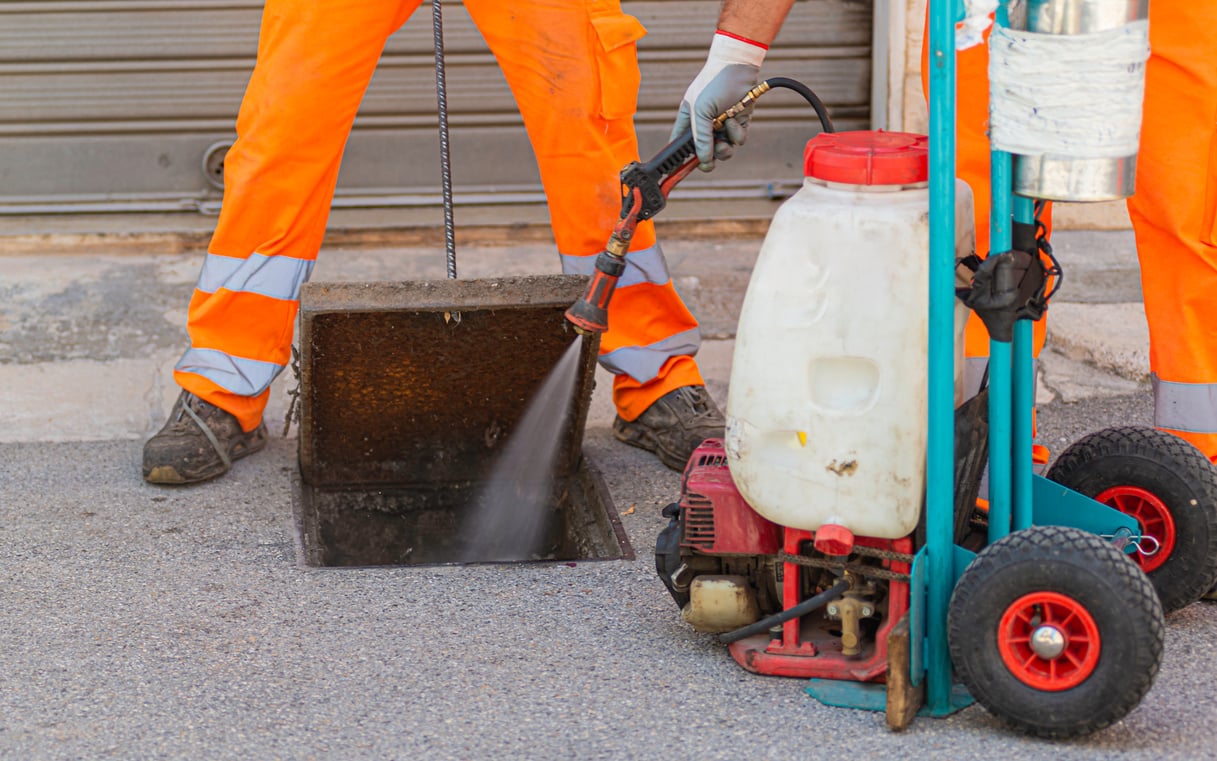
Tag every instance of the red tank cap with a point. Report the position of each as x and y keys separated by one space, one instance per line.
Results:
x=868 y=157
x=832 y=539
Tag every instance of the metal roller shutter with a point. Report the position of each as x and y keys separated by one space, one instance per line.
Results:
x=113 y=104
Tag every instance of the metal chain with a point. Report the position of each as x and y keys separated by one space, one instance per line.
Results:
x=875 y=552
x=293 y=406
x=445 y=159
x=858 y=568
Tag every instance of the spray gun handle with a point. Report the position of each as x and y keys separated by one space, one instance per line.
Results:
x=645 y=193
x=670 y=157
x=656 y=178
x=675 y=154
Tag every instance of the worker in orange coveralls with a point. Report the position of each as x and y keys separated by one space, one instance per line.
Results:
x=1174 y=210
x=572 y=67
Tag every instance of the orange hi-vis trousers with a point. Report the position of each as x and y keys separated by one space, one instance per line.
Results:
x=1174 y=210
x=1174 y=217
x=572 y=67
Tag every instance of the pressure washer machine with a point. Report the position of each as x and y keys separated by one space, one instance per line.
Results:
x=838 y=533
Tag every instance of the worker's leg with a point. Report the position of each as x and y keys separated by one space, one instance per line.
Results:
x=1174 y=214
x=572 y=66
x=314 y=62
x=573 y=69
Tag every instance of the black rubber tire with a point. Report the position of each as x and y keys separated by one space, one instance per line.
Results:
x=1094 y=575
x=1174 y=471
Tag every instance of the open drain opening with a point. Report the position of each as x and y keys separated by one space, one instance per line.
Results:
x=348 y=527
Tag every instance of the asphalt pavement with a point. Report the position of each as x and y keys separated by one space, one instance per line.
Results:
x=151 y=622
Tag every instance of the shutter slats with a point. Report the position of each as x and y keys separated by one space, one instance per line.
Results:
x=120 y=100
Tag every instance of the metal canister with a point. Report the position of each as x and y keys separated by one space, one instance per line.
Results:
x=1064 y=178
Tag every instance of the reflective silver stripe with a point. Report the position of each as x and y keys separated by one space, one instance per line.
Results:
x=1190 y=407
x=245 y=377
x=644 y=266
x=642 y=363
x=278 y=277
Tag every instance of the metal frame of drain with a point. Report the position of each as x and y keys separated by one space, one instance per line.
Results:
x=408 y=391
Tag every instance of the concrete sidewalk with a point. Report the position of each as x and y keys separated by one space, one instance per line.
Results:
x=88 y=343
x=144 y=622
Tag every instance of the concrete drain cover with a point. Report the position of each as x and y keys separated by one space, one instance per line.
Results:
x=408 y=393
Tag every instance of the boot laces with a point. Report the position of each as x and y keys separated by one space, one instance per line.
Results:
x=182 y=420
x=695 y=399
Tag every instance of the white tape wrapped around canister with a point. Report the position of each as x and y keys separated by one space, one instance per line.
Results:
x=1067 y=80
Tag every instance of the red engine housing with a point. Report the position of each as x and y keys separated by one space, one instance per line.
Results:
x=717 y=521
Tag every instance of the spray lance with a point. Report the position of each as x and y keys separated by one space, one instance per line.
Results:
x=644 y=193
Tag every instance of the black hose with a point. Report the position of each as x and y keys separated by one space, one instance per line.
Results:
x=803 y=608
x=681 y=148
x=808 y=95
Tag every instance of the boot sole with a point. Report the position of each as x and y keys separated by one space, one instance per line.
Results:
x=167 y=474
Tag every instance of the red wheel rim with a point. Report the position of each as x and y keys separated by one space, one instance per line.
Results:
x=1078 y=656
x=1151 y=514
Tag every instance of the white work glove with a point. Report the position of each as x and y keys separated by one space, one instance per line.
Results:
x=731 y=70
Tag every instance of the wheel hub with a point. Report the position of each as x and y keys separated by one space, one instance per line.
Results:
x=1153 y=516
x=1048 y=642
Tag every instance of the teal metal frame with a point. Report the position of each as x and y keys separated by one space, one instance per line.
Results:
x=940 y=453
x=1018 y=498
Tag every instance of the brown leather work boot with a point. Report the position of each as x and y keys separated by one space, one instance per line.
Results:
x=674 y=425
x=198 y=442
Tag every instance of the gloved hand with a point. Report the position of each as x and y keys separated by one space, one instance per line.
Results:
x=731 y=70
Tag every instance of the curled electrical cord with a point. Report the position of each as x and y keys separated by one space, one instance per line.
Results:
x=1041 y=242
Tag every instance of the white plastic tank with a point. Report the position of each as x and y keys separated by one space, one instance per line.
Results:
x=827 y=408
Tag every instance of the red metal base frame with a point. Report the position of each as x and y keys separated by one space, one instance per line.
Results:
x=811 y=647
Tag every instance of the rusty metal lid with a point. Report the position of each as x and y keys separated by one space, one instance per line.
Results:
x=421 y=383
